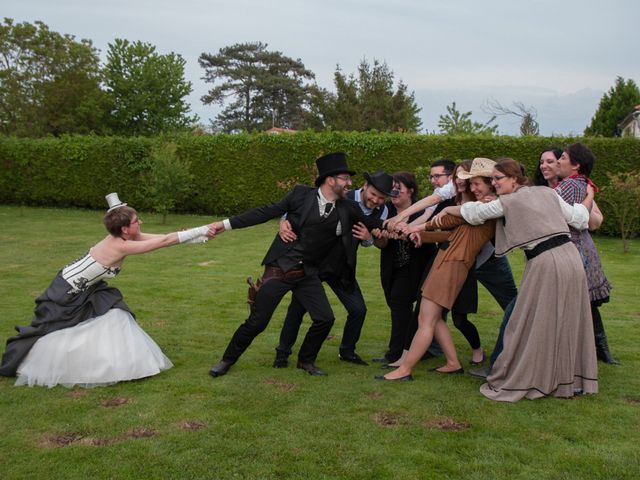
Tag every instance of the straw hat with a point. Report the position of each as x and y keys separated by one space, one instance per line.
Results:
x=480 y=167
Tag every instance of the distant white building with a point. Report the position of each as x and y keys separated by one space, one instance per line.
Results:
x=278 y=131
x=630 y=126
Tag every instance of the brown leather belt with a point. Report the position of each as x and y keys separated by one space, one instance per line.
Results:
x=276 y=272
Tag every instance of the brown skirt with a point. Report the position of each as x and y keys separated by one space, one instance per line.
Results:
x=548 y=342
x=451 y=266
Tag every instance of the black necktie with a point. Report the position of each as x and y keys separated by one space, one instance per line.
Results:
x=327 y=209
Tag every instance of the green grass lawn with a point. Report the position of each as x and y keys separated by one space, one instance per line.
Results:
x=259 y=422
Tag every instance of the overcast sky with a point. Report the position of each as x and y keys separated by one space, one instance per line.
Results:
x=556 y=56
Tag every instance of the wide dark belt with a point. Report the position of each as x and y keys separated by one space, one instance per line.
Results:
x=552 y=242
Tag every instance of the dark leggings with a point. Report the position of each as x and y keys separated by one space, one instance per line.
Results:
x=467 y=329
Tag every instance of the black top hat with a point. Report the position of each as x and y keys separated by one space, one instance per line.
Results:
x=382 y=181
x=332 y=164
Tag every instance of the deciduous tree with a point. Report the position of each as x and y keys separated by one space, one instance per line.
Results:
x=148 y=90
x=528 y=115
x=49 y=83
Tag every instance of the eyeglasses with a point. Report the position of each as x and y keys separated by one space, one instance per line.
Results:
x=497 y=178
x=438 y=175
x=137 y=220
x=344 y=178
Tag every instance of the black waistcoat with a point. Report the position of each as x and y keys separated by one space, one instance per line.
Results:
x=315 y=240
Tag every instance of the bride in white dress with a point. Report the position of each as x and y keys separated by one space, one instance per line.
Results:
x=82 y=332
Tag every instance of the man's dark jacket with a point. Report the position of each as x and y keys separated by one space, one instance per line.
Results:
x=301 y=202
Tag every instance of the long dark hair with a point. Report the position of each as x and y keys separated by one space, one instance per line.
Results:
x=466 y=165
x=538 y=179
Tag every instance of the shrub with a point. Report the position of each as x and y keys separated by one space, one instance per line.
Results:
x=622 y=195
x=169 y=179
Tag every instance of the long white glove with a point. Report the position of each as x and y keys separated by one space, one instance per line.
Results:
x=194 y=235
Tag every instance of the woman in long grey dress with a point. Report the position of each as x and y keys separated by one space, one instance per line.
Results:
x=548 y=342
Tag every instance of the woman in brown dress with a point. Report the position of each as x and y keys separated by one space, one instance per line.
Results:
x=440 y=290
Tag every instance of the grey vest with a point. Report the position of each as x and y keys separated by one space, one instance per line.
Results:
x=530 y=214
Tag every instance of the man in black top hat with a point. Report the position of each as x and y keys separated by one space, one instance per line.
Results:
x=322 y=219
x=370 y=199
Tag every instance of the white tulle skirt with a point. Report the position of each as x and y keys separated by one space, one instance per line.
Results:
x=99 y=351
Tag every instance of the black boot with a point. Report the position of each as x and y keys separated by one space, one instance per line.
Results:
x=602 y=345
x=602 y=349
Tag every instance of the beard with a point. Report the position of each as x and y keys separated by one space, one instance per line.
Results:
x=339 y=191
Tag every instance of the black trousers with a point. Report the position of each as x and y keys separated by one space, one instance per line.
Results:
x=353 y=302
x=400 y=297
x=309 y=292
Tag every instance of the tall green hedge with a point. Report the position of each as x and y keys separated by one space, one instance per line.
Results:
x=236 y=172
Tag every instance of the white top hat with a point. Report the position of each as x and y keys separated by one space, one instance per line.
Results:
x=114 y=202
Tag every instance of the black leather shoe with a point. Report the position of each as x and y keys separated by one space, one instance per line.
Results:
x=406 y=378
x=220 y=368
x=311 y=369
x=280 y=362
x=352 y=358
x=452 y=372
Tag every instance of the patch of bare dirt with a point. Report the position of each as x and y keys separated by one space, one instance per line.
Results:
x=447 y=424
x=389 y=419
x=278 y=384
x=375 y=394
x=192 y=425
x=631 y=400
x=114 y=402
x=73 y=438
x=57 y=440
x=141 y=432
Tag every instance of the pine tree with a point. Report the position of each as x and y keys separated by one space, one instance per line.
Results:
x=614 y=106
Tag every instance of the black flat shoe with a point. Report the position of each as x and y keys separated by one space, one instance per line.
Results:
x=484 y=357
x=406 y=378
x=388 y=367
x=311 y=369
x=380 y=360
x=352 y=358
x=453 y=372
